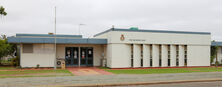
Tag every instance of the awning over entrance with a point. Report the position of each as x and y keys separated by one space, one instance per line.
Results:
x=58 y=40
x=35 y=38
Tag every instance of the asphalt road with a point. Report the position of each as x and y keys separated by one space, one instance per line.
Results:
x=191 y=84
x=108 y=79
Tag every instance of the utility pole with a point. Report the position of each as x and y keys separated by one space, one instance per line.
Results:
x=55 y=41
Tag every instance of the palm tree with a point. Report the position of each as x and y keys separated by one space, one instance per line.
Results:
x=2 y=11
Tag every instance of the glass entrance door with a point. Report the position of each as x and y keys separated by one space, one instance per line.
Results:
x=86 y=58
x=74 y=58
x=75 y=55
x=68 y=56
x=71 y=56
x=83 y=56
x=90 y=56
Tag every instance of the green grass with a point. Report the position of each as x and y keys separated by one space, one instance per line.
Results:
x=103 y=68
x=160 y=71
x=33 y=73
x=32 y=76
x=6 y=68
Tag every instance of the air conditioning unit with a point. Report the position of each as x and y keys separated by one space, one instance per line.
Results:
x=59 y=62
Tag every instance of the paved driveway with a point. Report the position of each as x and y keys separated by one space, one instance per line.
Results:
x=82 y=71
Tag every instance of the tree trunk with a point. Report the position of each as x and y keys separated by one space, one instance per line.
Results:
x=216 y=61
x=0 y=61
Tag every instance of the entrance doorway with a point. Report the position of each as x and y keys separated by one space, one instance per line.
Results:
x=79 y=56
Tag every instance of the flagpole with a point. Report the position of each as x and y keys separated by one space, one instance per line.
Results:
x=55 y=41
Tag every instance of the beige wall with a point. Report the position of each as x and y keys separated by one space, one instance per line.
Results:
x=198 y=55
x=159 y=38
x=198 y=48
x=118 y=52
x=97 y=52
x=43 y=54
x=118 y=55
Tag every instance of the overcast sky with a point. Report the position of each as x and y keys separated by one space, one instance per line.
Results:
x=37 y=16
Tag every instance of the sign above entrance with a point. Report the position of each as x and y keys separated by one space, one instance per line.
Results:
x=122 y=38
x=137 y=40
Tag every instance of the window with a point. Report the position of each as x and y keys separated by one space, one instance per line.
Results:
x=177 y=62
x=185 y=55
x=160 y=55
x=160 y=63
x=44 y=48
x=131 y=55
x=27 y=48
x=141 y=55
x=151 y=62
x=168 y=62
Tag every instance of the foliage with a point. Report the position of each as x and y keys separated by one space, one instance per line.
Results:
x=214 y=50
x=15 y=61
x=37 y=66
x=104 y=68
x=6 y=49
x=2 y=11
x=217 y=63
x=213 y=54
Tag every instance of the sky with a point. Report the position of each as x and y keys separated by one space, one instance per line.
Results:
x=37 y=16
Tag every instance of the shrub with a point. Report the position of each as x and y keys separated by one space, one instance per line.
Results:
x=37 y=66
x=15 y=61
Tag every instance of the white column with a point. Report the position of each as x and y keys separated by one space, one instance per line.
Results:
x=172 y=55
x=181 y=55
x=136 y=55
x=155 y=54
x=146 y=55
x=164 y=55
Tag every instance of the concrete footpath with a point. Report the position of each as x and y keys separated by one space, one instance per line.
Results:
x=109 y=80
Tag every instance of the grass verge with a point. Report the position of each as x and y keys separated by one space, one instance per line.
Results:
x=160 y=71
x=8 y=72
x=6 y=68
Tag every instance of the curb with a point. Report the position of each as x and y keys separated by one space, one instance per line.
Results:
x=139 y=83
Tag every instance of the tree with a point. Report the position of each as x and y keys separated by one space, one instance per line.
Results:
x=6 y=49
x=2 y=11
x=214 y=50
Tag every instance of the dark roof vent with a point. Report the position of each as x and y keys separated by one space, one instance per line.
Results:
x=134 y=28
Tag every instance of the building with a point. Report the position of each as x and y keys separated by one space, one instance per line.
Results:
x=117 y=48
